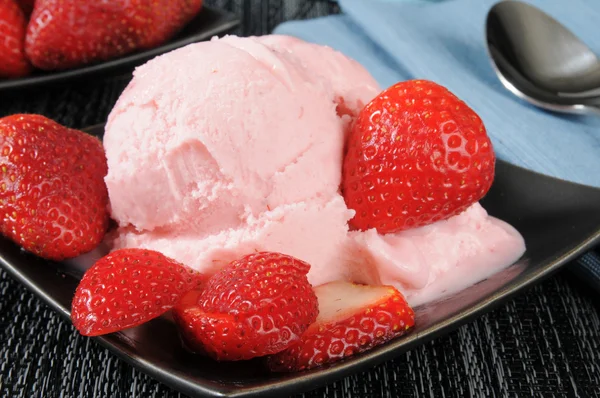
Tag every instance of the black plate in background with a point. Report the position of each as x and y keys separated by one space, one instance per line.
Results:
x=208 y=23
x=559 y=220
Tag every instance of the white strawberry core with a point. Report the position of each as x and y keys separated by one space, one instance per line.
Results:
x=340 y=300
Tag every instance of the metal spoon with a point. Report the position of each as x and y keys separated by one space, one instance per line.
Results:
x=541 y=61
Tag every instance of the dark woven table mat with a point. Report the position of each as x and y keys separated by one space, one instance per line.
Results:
x=543 y=343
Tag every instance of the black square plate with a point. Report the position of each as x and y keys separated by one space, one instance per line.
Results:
x=558 y=219
x=209 y=22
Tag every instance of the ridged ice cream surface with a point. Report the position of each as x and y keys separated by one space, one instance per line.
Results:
x=235 y=145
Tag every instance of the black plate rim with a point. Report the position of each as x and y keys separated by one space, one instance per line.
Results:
x=223 y=22
x=310 y=380
x=372 y=358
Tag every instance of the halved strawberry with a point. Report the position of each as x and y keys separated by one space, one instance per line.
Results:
x=352 y=319
x=13 y=24
x=416 y=154
x=255 y=306
x=127 y=288
x=69 y=33
x=53 y=199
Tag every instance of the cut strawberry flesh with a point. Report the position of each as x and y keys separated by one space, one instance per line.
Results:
x=352 y=319
x=340 y=300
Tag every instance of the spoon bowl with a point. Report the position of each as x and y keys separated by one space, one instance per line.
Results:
x=540 y=60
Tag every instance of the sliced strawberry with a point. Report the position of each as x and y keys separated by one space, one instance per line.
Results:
x=352 y=319
x=258 y=305
x=416 y=154
x=127 y=288
x=53 y=200
x=69 y=33
x=13 y=24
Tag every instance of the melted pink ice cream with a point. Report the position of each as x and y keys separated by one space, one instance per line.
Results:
x=232 y=146
x=438 y=259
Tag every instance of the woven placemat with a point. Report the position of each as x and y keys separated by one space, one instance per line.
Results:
x=543 y=343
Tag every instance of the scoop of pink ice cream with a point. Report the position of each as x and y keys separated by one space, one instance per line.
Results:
x=230 y=146
x=350 y=82
x=222 y=148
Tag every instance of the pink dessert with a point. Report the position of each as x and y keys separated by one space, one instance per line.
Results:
x=435 y=260
x=223 y=148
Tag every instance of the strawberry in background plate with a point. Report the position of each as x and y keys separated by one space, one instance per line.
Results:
x=416 y=154
x=12 y=38
x=352 y=319
x=129 y=287
x=69 y=33
x=258 y=305
x=53 y=200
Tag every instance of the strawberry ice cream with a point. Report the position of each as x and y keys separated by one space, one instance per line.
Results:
x=222 y=148
x=437 y=259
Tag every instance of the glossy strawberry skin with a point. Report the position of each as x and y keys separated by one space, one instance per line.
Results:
x=70 y=33
x=168 y=17
x=353 y=331
x=129 y=287
x=13 y=24
x=416 y=154
x=53 y=200
x=258 y=305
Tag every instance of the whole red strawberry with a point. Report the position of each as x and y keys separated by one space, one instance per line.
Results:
x=258 y=305
x=352 y=319
x=69 y=33
x=127 y=288
x=53 y=200
x=168 y=17
x=416 y=154
x=12 y=40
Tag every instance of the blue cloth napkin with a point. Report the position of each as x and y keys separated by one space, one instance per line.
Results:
x=444 y=41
